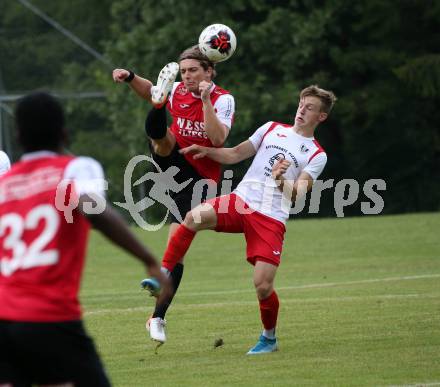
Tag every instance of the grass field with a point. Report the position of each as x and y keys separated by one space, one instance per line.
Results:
x=360 y=306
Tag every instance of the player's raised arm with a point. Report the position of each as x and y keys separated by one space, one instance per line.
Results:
x=216 y=131
x=141 y=86
x=222 y=155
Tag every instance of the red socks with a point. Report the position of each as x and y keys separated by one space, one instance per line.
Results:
x=269 y=311
x=177 y=247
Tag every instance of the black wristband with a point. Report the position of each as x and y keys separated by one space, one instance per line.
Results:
x=130 y=77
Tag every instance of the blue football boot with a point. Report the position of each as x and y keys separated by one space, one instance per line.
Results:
x=264 y=345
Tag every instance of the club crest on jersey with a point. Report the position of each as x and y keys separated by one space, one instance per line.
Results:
x=182 y=90
x=303 y=148
x=277 y=157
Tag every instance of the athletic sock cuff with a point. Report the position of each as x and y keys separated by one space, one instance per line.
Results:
x=269 y=301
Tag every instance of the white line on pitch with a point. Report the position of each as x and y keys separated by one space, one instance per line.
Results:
x=295 y=287
x=245 y=303
x=319 y=285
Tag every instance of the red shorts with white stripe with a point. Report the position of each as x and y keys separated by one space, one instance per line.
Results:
x=264 y=235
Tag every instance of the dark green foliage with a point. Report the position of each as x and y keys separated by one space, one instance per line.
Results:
x=380 y=57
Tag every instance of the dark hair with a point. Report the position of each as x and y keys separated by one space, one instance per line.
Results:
x=195 y=53
x=327 y=97
x=40 y=122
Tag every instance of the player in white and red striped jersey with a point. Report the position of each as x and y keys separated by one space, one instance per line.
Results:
x=202 y=114
x=287 y=161
x=44 y=225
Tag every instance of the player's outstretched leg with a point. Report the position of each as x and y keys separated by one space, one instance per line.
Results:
x=156 y=323
x=156 y=122
x=177 y=247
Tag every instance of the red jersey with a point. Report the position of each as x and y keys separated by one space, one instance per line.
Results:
x=42 y=255
x=189 y=128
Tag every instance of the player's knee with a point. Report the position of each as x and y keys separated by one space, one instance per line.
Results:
x=263 y=289
x=162 y=148
x=189 y=220
x=193 y=220
x=199 y=218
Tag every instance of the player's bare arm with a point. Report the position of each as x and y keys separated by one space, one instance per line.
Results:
x=111 y=224
x=222 y=155
x=141 y=86
x=215 y=130
x=292 y=190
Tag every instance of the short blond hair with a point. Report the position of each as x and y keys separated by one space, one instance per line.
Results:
x=326 y=97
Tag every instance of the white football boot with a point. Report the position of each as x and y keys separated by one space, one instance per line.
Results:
x=156 y=327
x=164 y=85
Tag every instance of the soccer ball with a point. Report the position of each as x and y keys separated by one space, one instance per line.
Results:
x=217 y=42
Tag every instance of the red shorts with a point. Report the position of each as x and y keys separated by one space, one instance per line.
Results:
x=264 y=235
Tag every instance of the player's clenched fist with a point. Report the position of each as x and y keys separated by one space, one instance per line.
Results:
x=119 y=75
x=280 y=168
x=205 y=90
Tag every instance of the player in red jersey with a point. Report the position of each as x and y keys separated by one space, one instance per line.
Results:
x=202 y=114
x=287 y=161
x=48 y=201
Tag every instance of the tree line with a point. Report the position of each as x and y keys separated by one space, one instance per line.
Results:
x=380 y=58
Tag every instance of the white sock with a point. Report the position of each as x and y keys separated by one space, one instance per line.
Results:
x=165 y=271
x=269 y=333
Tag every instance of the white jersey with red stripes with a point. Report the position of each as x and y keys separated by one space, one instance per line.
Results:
x=188 y=123
x=275 y=141
x=41 y=251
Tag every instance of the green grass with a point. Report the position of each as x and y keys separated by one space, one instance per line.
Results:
x=360 y=306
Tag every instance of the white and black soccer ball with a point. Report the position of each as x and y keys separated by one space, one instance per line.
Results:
x=217 y=42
